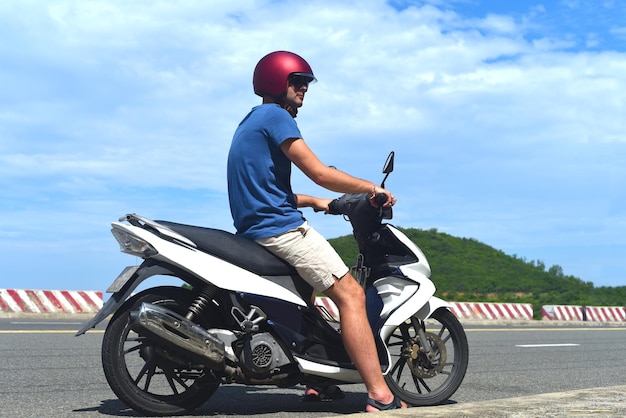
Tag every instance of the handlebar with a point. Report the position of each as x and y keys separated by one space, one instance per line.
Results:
x=348 y=204
x=364 y=217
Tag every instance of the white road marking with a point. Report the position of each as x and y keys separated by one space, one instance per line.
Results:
x=44 y=323
x=546 y=345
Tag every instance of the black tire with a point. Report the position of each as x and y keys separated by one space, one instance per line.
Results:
x=144 y=375
x=417 y=379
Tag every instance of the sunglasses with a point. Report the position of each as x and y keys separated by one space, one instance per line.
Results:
x=299 y=80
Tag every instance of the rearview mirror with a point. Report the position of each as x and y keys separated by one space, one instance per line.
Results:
x=388 y=167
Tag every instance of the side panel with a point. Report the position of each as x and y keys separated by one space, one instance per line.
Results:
x=211 y=269
x=422 y=266
x=395 y=293
x=404 y=296
x=331 y=372
x=424 y=312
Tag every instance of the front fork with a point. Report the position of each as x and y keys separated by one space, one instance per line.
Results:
x=424 y=346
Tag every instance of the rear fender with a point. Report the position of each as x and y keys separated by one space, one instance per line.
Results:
x=124 y=285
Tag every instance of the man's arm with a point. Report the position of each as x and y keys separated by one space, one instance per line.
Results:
x=317 y=203
x=330 y=178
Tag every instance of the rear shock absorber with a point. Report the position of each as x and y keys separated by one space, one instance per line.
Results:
x=201 y=301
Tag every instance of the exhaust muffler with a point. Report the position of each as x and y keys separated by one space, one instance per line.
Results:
x=180 y=333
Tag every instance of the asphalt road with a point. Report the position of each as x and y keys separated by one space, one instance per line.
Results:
x=46 y=371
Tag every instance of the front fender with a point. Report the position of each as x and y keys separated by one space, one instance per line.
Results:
x=431 y=306
x=124 y=285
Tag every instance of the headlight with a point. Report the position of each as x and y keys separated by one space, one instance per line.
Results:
x=131 y=244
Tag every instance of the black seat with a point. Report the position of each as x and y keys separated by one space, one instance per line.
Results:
x=236 y=250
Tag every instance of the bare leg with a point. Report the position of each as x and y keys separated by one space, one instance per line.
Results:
x=349 y=297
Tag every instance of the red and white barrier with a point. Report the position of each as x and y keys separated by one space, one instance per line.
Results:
x=480 y=310
x=462 y=310
x=50 y=301
x=583 y=313
x=89 y=301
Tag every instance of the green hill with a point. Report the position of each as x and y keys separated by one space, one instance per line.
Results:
x=465 y=270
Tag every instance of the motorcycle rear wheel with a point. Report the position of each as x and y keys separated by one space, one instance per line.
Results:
x=147 y=377
x=422 y=380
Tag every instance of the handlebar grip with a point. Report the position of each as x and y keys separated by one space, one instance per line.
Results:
x=333 y=207
x=380 y=199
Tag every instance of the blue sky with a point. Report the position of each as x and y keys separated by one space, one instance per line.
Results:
x=507 y=119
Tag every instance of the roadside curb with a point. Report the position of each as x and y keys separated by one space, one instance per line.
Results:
x=605 y=402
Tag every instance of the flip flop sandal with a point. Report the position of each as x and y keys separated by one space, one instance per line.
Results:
x=324 y=394
x=395 y=404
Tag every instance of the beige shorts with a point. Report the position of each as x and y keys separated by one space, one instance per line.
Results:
x=313 y=257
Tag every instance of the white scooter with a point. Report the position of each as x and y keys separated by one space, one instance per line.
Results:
x=247 y=318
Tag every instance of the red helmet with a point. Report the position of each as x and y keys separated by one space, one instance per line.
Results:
x=273 y=70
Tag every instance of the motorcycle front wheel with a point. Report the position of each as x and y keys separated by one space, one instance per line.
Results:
x=146 y=376
x=427 y=375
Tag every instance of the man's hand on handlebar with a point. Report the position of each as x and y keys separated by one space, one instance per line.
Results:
x=375 y=199
x=319 y=204
x=379 y=197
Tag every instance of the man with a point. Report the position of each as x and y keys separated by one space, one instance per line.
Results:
x=265 y=209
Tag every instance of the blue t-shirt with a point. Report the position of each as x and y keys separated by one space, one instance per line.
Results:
x=259 y=174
